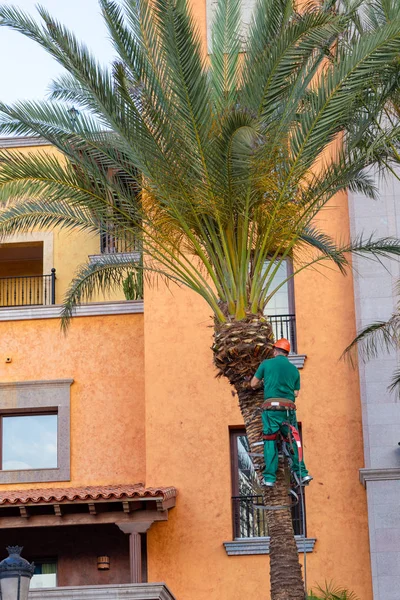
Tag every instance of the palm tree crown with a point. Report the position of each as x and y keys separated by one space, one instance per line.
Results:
x=235 y=153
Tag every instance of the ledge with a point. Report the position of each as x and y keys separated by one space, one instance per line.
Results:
x=379 y=475
x=126 y=256
x=23 y=140
x=246 y=546
x=297 y=360
x=37 y=383
x=95 y=309
x=133 y=591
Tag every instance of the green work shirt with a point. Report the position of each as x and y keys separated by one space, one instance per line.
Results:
x=281 y=378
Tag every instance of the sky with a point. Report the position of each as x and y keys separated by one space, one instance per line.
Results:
x=26 y=69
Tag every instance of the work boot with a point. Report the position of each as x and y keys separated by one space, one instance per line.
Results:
x=268 y=484
x=306 y=480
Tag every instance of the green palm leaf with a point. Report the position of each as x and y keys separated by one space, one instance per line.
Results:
x=224 y=151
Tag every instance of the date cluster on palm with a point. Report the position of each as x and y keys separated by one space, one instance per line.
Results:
x=240 y=346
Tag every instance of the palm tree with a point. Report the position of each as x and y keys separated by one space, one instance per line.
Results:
x=235 y=153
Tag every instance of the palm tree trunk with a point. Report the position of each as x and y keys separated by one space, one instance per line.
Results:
x=239 y=348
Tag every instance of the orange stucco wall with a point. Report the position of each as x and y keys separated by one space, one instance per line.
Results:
x=104 y=356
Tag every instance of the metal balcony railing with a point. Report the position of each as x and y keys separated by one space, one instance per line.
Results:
x=112 y=241
x=284 y=326
x=29 y=290
x=250 y=521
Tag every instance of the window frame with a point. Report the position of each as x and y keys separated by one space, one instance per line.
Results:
x=234 y=433
x=39 y=397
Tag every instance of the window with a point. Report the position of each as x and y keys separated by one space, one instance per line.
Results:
x=35 y=431
x=246 y=9
x=45 y=574
x=280 y=309
x=248 y=520
x=29 y=441
x=282 y=303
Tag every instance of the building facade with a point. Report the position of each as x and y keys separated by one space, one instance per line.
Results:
x=124 y=469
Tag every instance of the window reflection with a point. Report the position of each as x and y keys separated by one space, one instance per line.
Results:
x=29 y=442
x=45 y=575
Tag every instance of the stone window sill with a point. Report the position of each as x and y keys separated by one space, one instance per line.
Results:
x=247 y=546
x=298 y=360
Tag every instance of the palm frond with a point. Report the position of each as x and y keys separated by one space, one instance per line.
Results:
x=100 y=278
x=226 y=46
x=381 y=336
x=331 y=592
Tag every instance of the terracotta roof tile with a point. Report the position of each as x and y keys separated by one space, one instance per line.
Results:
x=91 y=493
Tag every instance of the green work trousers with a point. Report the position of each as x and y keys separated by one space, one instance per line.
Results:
x=273 y=421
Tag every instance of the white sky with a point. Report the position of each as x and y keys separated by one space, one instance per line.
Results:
x=25 y=68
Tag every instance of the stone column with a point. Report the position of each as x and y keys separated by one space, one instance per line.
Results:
x=134 y=529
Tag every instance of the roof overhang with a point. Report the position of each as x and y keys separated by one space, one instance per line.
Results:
x=120 y=504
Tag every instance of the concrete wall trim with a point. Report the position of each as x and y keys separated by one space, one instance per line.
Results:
x=247 y=546
x=94 y=309
x=131 y=256
x=46 y=382
x=379 y=475
x=133 y=591
x=30 y=395
x=23 y=140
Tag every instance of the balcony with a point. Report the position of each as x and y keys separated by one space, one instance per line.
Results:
x=284 y=326
x=112 y=242
x=133 y=591
x=28 y=290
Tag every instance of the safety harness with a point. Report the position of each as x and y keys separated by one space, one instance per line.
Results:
x=278 y=404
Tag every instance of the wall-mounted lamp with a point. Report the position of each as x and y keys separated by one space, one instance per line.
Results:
x=103 y=563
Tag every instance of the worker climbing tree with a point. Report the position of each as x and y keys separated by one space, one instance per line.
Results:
x=281 y=388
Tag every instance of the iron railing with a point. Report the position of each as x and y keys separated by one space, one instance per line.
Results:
x=284 y=326
x=250 y=521
x=29 y=290
x=113 y=241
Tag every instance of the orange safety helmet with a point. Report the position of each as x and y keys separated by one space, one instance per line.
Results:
x=283 y=344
